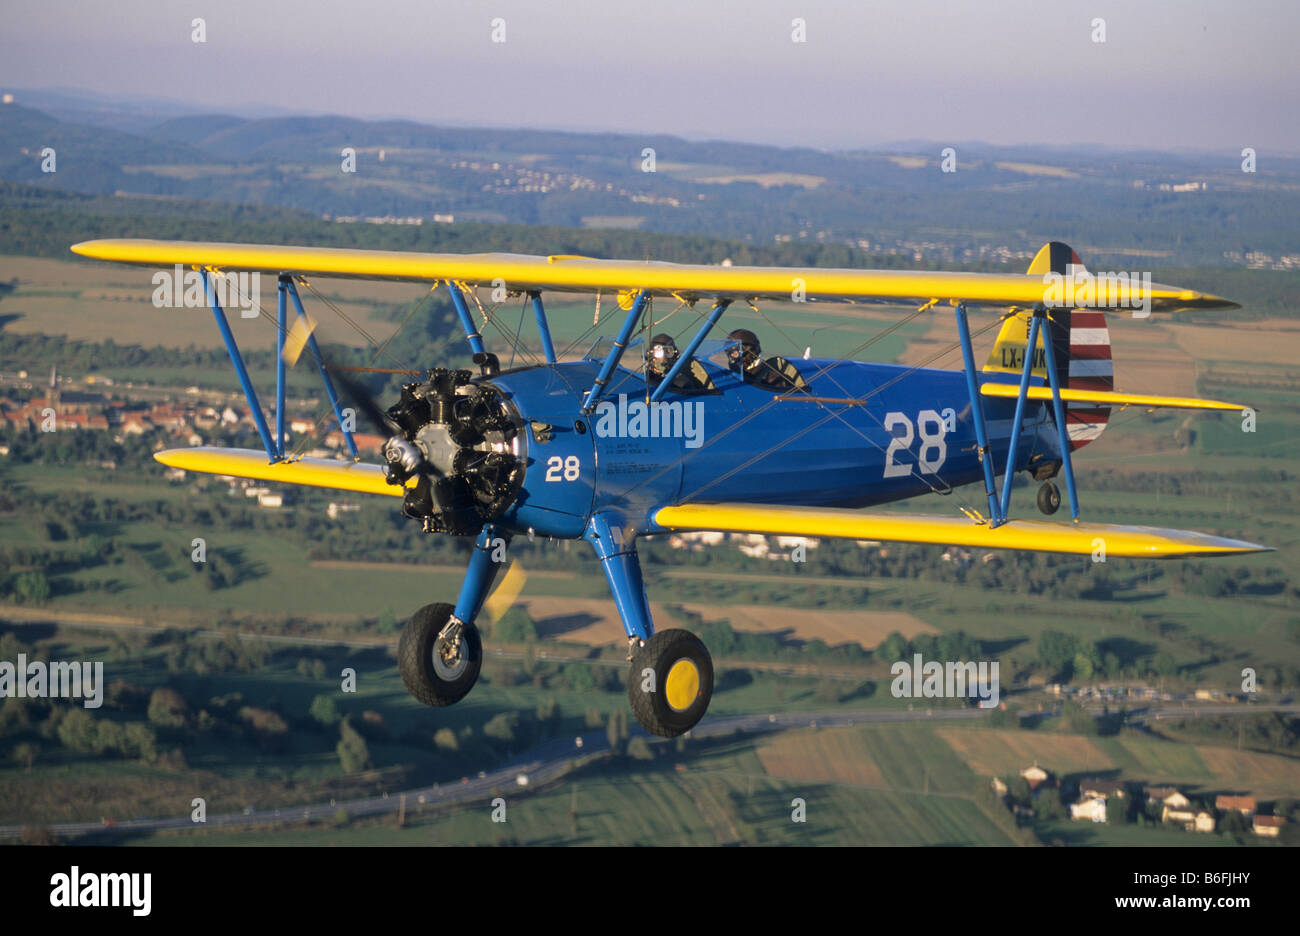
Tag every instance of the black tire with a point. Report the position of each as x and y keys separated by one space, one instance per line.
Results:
x=1049 y=498
x=658 y=711
x=434 y=682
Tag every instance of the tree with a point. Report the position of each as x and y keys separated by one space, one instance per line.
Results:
x=167 y=708
x=892 y=648
x=324 y=710
x=140 y=741
x=1082 y=666
x=31 y=587
x=25 y=754
x=1056 y=652
x=77 y=731
x=445 y=740
x=502 y=727
x=352 y=750
x=580 y=677
x=614 y=733
x=515 y=626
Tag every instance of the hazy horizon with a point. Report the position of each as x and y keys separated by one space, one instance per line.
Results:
x=1171 y=76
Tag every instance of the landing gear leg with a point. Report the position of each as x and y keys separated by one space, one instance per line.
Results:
x=440 y=652
x=670 y=681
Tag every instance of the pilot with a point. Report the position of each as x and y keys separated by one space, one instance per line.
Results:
x=663 y=355
x=776 y=373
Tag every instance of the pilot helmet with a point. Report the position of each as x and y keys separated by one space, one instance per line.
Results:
x=745 y=354
x=663 y=353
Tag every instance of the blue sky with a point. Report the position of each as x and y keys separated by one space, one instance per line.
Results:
x=1171 y=75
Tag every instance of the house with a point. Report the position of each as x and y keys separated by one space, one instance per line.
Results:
x=1102 y=788
x=1036 y=776
x=136 y=424
x=1268 y=826
x=1090 y=807
x=1174 y=807
x=1242 y=804
x=365 y=442
x=1168 y=796
x=696 y=541
x=1204 y=822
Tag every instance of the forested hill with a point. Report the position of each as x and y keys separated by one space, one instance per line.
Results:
x=999 y=203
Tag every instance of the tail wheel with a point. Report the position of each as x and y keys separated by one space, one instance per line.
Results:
x=1049 y=498
x=438 y=656
x=670 y=682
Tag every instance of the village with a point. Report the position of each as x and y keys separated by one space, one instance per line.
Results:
x=1096 y=799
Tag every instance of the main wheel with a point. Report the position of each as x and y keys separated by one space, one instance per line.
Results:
x=1049 y=498
x=438 y=668
x=670 y=682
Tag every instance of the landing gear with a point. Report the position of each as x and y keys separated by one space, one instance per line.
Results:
x=670 y=682
x=439 y=656
x=1049 y=498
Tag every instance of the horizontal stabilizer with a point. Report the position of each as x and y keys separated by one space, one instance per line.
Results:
x=1107 y=397
x=1034 y=535
x=315 y=472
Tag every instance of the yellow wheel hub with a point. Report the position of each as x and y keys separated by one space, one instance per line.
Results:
x=682 y=685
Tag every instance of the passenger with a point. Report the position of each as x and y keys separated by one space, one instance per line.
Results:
x=776 y=373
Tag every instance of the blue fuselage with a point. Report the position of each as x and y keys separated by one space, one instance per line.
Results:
x=912 y=434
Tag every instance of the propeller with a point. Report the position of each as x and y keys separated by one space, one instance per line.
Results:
x=398 y=451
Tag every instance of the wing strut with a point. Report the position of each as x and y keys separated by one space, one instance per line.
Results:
x=237 y=359
x=684 y=359
x=1058 y=410
x=543 y=328
x=616 y=353
x=1021 y=396
x=466 y=320
x=286 y=285
x=996 y=517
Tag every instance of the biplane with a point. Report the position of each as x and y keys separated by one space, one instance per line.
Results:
x=609 y=447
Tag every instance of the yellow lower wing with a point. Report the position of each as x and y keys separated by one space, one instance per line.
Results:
x=1035 y=535
x=1107 y=398
x=316 y=472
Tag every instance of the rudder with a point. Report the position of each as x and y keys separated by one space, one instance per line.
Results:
x=1080 y=343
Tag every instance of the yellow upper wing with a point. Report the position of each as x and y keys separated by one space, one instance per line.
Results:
x=1035 y=535
x=581 y=274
